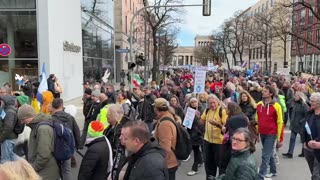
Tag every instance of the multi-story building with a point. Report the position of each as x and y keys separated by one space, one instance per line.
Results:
x=304 y=56
x=74 y=39
x=124 y=11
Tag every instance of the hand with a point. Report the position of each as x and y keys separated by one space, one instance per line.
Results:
x=215 y=123
x=197 y=113
x=314 y=144
x=279 y=145
x=224 y=129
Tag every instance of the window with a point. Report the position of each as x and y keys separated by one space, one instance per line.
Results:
x=303 y=16
x=310 y=18
x=253 y=53
x=316 y=66
x=318 y=36
x=126 y=24
x=261 y=52
x=271 y=3
x=308 y=65
x=309 y=38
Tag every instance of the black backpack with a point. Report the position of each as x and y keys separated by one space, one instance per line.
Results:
x=183 y=145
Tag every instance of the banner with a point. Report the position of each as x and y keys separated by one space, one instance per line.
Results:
x=199 y=81
x=188 y=119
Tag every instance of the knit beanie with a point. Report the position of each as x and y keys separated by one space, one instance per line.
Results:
x=23 y=99
x=95 y=129
x=26 y=111
x=96 y=93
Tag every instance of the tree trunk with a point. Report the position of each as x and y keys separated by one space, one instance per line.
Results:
x=155 y=61
x=285 y=54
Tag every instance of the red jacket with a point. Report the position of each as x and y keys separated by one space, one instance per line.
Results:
x=270 y=120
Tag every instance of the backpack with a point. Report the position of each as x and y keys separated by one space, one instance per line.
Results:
x=64 y=145
x=132 y=114
x=18 y=126
x=183 y=145
x=220 y=111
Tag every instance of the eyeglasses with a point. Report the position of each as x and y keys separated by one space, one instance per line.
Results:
x=237 y=140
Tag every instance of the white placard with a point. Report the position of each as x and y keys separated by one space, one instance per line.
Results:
x=189 y=117
x=199 y=81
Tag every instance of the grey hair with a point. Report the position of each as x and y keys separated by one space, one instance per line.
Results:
x=248 y=137
x=117 y=110
x=231 y=86
x=6 y=89
x=315 y=95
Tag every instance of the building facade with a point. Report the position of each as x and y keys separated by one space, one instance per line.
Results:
x=183 y=55
x=304 y=56
x=69 y=37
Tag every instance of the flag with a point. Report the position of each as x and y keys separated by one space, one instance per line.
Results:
x=137 y=80
x=244 y=64
x=43 y=84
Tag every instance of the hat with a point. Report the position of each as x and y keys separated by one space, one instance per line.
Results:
x=26 y=111
x=161 y=103
x=88 y=91
x=96 y=93
x=122 y=84
x=95 y=129
x=193 y=99
x=23 y=99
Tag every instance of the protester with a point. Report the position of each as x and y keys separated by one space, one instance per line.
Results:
x=47 y=98
x=147 y=161
x=269 y=117
x=166 y=134
x=41 y=143
x=97 y=162
x=213 y=138
x=174 y=102
x=248 y=105
x=148 y=114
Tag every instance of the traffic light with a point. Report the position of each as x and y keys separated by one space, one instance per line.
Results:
x=131 y=65
x=140 y=59
x=206 y=9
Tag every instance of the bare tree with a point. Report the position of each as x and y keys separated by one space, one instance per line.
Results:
x=159 y=18
x=168 y=44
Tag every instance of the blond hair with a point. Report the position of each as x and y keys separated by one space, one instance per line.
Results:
x=19 y=170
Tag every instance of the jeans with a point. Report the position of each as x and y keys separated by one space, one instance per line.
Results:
x=172 y=173
x=197 y=157
x=293 y=142
x=268 y=142
x=7 y=148
x=211 y=159
x=313 y=164
x=150 y=126
x=66 y=170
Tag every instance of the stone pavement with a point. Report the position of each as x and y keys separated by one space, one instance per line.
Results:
x=288 y=169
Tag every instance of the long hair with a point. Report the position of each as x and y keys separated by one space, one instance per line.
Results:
x=250 y=99
x=175 y=117
x=19 y=170
x=248 y=137
x=233 y=109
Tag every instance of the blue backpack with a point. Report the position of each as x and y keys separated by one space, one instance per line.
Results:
x=64 y=145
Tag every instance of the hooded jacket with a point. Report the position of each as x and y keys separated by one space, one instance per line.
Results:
x=148 y=164
x=148 y=113
x=269 y=118
x=41 y=147
x=8 y=123
x=68 y=121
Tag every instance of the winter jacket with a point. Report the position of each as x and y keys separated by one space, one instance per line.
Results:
x=8 y=123
x=95 y=162
x=27 y=88
x=147 y=164
x=257 y=96
x=290 y=97
x=86 y=107
x=41 y=148
x=166 y=134
x=270 y=119
x=94 y=111
x=299 y=112
x=51 y=86
x=148 y=114
x=282 y=101
x=68 y=121
x=242 y=166
x=179 y=112
x=248 y=110
x=196 y=133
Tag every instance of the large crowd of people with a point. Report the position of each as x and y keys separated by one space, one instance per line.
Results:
x=133 y=133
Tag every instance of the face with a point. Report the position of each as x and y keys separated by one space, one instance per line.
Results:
x=213 y=103
x=274 y=85
x=314 y=103
x=26 y=121
x=238 y=142
x=194 y=104
x=120 y=97
x=87 y=96
x=109 y=89
x=94 y=98
x=126 y=140
x=244 y=97
x=266 y=93
x=3 y=92
x=111 y=118
x=173 y=101
x=147 y=91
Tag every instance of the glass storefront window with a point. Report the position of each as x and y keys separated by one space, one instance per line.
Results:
x=17 y=4
x=308 y=64
x=316 y=64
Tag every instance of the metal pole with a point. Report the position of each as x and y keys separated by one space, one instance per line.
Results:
x=145 y=52
x=144 y=8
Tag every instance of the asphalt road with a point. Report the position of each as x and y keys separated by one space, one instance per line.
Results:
x=288 y=169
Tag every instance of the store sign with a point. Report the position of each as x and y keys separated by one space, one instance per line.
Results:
x=5 y=49
x=71 y=47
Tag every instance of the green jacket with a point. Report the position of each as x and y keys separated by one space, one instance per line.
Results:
x=282 y=100
x=242 y=166
x=41 y=149
x=102 y=116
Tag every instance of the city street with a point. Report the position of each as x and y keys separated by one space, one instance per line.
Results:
x=293 y=169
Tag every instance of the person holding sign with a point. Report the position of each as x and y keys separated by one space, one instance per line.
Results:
x=214 y=119
x=196 y=135
x=312 y=136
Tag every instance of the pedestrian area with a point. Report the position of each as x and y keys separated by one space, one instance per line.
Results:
x=288 y=169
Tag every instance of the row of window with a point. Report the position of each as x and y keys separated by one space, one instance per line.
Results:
x=258 y=53
x=262 y=8
x=307 y=35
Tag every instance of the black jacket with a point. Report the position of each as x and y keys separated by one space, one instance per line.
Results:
x=68 y=121
x=51 y=86
x=257 y=96
x=86 y=107
x=8 y=123
x=148 y=113
x=94 y=164
x=179 y=112
x=248 y=110
x=196 y=131
x=27 y=88
x=148 y=163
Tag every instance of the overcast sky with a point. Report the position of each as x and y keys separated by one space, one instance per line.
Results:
x=195 y=23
